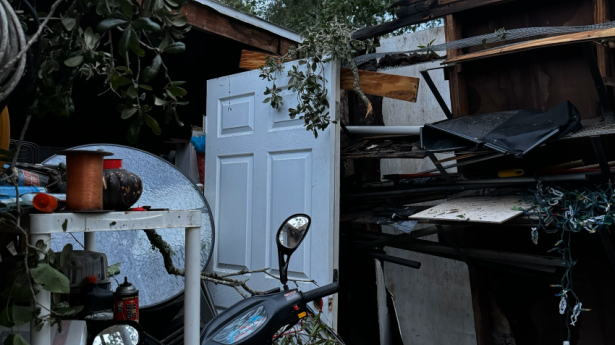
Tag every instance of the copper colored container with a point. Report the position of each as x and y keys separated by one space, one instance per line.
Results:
x=84 y=179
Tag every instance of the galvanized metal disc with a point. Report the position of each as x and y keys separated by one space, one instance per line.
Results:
x=164 y=186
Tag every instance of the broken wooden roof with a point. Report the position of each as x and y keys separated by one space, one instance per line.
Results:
x=221 y=20
x=409 y=12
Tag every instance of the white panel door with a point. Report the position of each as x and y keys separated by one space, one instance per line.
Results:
x=261 y=167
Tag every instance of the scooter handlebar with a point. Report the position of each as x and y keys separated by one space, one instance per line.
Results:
x=320 y=292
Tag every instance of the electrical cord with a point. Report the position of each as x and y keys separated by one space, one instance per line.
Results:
x=12 y=42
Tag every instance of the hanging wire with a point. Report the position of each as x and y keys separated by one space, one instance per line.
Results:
x=566 y=213
x=12 y=42
x=497 y=36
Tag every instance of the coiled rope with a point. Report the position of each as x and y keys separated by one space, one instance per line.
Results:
x=12 y=43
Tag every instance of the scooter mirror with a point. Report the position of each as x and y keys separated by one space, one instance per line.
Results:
x=292 y=233
x=120 y=334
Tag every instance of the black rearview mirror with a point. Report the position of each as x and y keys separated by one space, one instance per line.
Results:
x=290 y=235
x=124 y=333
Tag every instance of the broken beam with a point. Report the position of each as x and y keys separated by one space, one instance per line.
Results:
x=372 y=83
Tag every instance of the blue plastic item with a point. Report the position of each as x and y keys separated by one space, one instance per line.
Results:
x=8 y=192
x=199 y=143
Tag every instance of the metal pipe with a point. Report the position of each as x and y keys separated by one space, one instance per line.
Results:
x=192 y=292
x=552 y=178
x=426 y=190
x=385 y=130
x=89 y=241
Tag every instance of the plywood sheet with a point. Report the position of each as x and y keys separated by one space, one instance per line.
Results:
x=478 y=209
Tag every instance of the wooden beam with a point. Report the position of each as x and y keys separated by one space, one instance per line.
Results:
x=578 y=37
x=421 y=14
x=372 y=83
x=602 y=15
x=456 y=78
x=209 y=20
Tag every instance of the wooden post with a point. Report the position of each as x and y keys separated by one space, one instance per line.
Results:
x=457 y=82
x=601 y=15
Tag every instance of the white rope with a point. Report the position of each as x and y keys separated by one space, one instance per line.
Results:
x=12 y=42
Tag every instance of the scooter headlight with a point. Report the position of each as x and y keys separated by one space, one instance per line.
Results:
x=242 y=327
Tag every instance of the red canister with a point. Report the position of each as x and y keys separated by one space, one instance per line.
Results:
x=126 y=306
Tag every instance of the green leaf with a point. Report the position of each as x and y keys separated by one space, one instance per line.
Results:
x=109 y=24
x=114 y=269
x=15 y=339
x=5 y=317
x=175 y=48
x=22 y=315
x=134 y=130
x=124 y=43
x=126 y=8
x=68 y=311
x=135 y=45
x=152 y=123
x=68 y=23
x=168 y=114
x=151 y=71
x=177 y=91
x=159 y=101
x=146 y=87
x=176 y=83
x=74 y=61
x=6 y=153
x=67 y=251
x=145 y=24
x=177 y=118
x=91 y=39
x=118 y=81
x=132 y=91
x=51 y=279
x=64 y=225
x=128 y=112
x=165 y=42
x=180 y=21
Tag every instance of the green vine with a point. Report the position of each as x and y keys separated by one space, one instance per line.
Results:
x=311 y=330
x=324 y=43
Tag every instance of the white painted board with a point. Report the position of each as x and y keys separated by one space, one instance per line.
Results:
x=261 y=167
x=477 y=209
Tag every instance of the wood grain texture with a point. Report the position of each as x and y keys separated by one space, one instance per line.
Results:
x=578 y=37
x=372 y=83
x=211 y=21
x=602 y=15
x=457 y=81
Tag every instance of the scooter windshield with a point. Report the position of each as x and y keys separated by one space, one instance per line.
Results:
x=242 y=327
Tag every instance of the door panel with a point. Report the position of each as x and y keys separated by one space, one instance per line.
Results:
x=261 y=167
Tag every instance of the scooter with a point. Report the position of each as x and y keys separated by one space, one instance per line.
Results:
x=256 y=320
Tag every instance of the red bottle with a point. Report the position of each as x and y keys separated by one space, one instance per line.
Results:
x=126 y=305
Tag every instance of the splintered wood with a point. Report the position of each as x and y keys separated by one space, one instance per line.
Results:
x=372 y=83
x=479 y=209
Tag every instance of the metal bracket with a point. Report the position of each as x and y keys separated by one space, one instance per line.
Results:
x=437 y=94
x=592 y=64
x=440 y=168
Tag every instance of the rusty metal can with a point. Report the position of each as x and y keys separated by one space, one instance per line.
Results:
x=126 y=304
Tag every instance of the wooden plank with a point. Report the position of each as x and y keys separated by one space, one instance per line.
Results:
x=423 y=16
x=480 y=210
x=602 y=15
x=382 y=84
x=211 y=21
x=578 y=37
x=456 y=78
x=372 y=83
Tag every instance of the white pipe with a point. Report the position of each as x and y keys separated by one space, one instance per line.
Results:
x=192 y=291
x=89 y=241
x=42 y=337
x=385 y=130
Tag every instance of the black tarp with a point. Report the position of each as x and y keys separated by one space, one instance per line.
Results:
x=515 y=132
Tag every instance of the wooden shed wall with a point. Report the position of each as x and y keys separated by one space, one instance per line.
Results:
x=536 y=79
